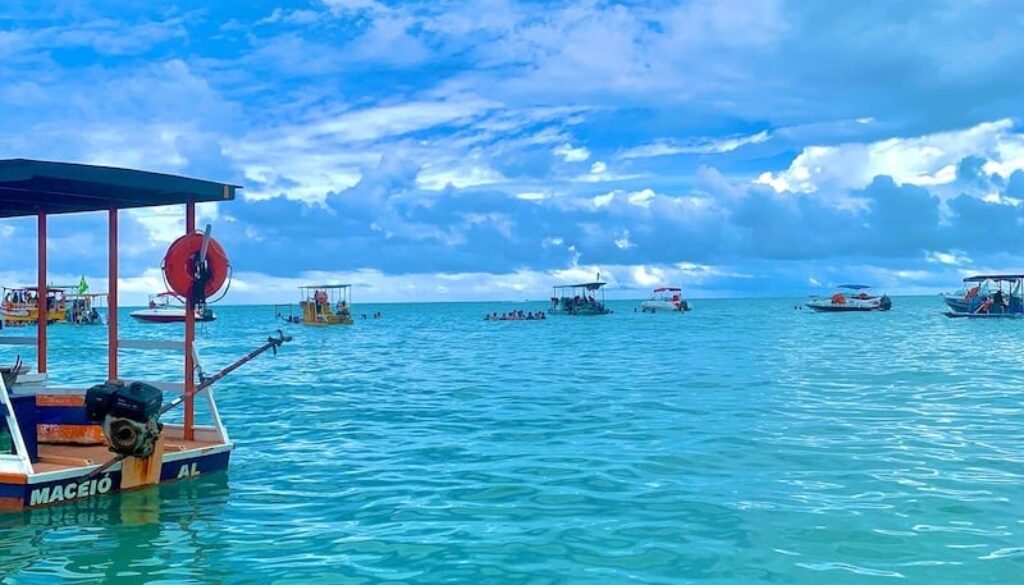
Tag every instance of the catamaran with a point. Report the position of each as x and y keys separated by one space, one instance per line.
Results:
x=579 y=299
x=666 y=299
x=850 y=298
x=60 y=444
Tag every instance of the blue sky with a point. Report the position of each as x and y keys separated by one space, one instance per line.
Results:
x=486 y=150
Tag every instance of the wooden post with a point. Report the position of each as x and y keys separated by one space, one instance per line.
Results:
x=42 y=308
x=190 y=335
x=112 y=295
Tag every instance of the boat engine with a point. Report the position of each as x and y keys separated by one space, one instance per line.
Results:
x=128 y=414
x=885 y=303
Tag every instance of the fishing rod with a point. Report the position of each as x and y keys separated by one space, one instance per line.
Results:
x=272 y=344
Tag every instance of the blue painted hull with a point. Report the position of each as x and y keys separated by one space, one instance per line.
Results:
x=73 y=485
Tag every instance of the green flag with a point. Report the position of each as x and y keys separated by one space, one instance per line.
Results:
x=83 y=287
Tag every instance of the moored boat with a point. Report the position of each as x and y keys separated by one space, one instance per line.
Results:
x=850 y=298
x=324 y=304
x=665 y=299
x=584 y=299
x=167 y=307
x=20 y=306
x=984 y=298
x=60 y=443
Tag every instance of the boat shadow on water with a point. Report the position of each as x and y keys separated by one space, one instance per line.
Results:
x=126 y=532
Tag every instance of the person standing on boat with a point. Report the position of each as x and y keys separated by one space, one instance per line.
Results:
x=998 y=301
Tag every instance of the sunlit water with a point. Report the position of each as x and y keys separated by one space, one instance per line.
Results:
x=743 y=442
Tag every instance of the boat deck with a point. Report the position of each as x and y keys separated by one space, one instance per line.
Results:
x=64 y=457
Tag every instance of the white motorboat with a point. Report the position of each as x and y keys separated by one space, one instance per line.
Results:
x=162 y=310
x=850 y=298
x=665 y=299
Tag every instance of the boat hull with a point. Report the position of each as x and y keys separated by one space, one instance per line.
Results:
x=588 y=312
x=664 y=307
x=843 y=309
x=966 y=315
x=167 y=316
x=61 y=487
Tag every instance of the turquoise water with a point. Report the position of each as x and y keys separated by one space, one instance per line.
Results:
x=743 y=442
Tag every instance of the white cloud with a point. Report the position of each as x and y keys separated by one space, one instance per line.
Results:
x=641 y=198
x=532 y=196
x=703 y=146
x=598 y=168
x=603 y=200
x=570 y=154
x=924 y=160
x=950 y=258
x=623 y=243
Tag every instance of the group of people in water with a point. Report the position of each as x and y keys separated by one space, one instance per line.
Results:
x=517 y=315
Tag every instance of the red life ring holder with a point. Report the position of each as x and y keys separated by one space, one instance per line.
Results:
x=179 y=265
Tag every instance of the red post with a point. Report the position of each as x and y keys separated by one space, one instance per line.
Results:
x=190 y=336
x=42 y=307
x=112 y=296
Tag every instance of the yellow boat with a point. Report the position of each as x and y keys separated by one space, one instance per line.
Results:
x=325 y=304
x=21 y=305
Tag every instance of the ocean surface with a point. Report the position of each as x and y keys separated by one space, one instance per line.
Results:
x=744 y=442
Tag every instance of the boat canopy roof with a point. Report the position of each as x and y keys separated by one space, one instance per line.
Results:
x=586 y=285
x=854 y=286
x=996 y=277
x=325 y=286
x=50 y=288
x=29 y=187
x=668 y=289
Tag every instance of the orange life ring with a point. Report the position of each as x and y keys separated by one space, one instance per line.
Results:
x=179 y=265
x=838 y=299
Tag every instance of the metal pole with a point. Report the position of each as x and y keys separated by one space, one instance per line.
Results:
x=112 y=295
x=42 y=309
x=190 y=336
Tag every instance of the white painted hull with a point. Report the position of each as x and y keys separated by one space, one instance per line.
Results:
x=167 y=315
x=650 y=306
x=850 y=305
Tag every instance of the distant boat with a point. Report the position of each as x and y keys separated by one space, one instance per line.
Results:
x=665 y=299
x=324 y=304
x=850 y=298
x=162 y=310
x=585 y=299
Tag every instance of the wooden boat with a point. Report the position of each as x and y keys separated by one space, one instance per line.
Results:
x=55 y=440
x=584 y=299
x=83 y=306
x=21 y=305
x=167 y=307
x=325 y=304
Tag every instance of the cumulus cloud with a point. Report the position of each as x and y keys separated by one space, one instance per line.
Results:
x=931 y=159
x=570 y=154
x=466 y=138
